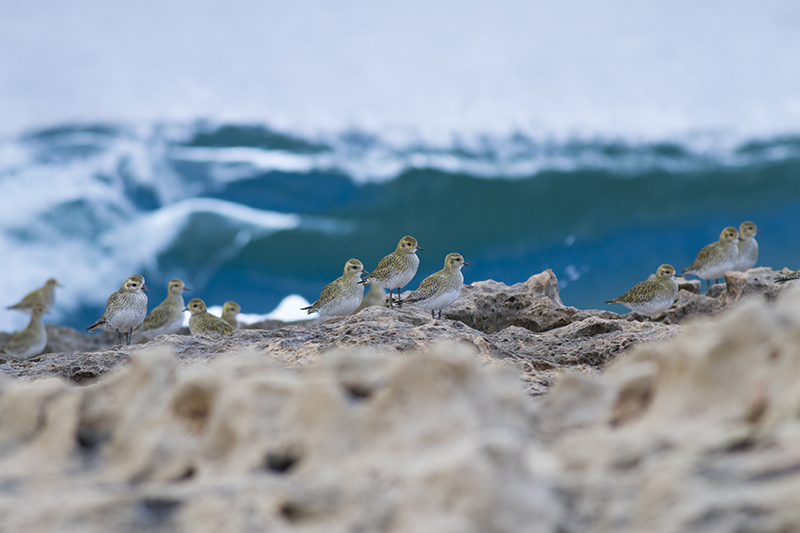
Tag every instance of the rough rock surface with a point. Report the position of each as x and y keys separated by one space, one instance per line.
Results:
x=491 y=306
x=356 y=443
x=524 y=324
x=694 y=434
x=697 y=434
x=586 y=344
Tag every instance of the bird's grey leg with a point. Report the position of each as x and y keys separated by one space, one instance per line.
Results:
x=119 y=337
x=399 y=300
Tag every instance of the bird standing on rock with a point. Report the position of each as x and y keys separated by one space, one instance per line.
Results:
x=652 y=296
x=167 y=318
x=440 y=289
x=748 y=247
x=717 y=258
x=343 y=295
x=202 y=321
x=125 y=309
x=396 y=269
x=229 y=312
x=31 y=340
x=45 y=295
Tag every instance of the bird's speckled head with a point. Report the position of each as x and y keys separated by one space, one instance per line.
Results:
x=408 y=244
x=454 y=260
x=52 y=282
x=729 y=234
x=176 y=286
x=231 y=308
x=38 y=310
x=134 y=283
x=748 y=229
x=665 y=272
x=196 y=306
x=354 y=267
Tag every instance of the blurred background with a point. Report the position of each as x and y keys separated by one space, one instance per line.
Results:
x=252 y=147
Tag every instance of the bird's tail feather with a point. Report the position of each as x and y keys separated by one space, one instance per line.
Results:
x=96 y=325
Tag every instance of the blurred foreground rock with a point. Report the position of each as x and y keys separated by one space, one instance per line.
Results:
x=694 y=434
x=700 y=433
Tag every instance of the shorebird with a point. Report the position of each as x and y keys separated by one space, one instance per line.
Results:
x=748 y=247
x=202 y=321
x=440 y=289
x=717 y=258
x=31 y=340
x=652 y=296
x=343 y=295
x=125 y=309
x=229 y=312
x=396 y=269
x=45 y=295
x=167 y=318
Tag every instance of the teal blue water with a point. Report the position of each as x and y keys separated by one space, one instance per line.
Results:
x=602 y=216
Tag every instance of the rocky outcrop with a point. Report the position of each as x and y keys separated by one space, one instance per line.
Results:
x=384 y=430
x=525 y=325
x=699 y=433
x=535 y=305
x=586 y=344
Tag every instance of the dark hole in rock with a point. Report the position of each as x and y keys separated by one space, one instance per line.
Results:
x=294 y=511
x=358 y=391
x=742 y=445
x=193 y=404
x=187 y=474
x=153 y=512
x=83 y=377
x=89 y=438
x=282 y=461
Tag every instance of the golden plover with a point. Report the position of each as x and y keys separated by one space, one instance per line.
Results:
x=396 y=269
x=125 y=309
x=31 y=340
x=343 y=295
x=652 y=296
x=202 y=321
x=45 y=295
x=717 y=258
x=167 y=318
x=440 y=289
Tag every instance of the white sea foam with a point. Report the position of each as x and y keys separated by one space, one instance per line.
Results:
x=287 y=311
x=253 y=157
x=150 y=234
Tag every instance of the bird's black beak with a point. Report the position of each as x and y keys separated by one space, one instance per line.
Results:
x=144 y=288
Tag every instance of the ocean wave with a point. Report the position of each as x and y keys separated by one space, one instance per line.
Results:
x=368 y=158
x=90 y=205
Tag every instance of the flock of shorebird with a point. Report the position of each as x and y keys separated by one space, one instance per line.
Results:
x=735 y=250
x=126 y=309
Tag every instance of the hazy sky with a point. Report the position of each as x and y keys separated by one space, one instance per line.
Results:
x=550 y=68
